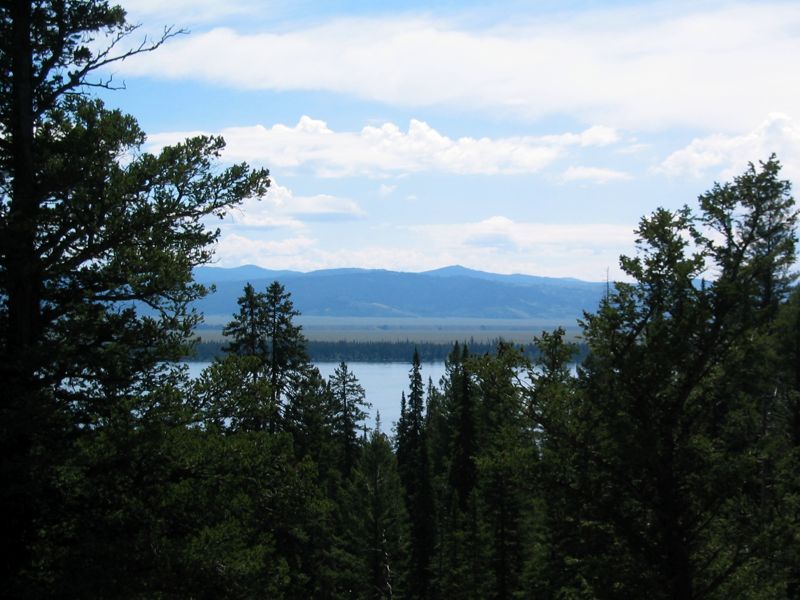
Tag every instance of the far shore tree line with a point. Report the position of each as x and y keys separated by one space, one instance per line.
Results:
x=376 y=351
x=666 y=466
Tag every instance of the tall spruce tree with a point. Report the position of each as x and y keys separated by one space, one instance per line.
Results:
x=785 y=436
x=460 y=569
x=506 y=459
x=375 y=523
x=249 y=330
x=412 y=455
x=264 y=328
x=462 y=400
x=288 y=358
x=349 y=404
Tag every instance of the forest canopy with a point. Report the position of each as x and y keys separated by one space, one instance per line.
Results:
x=666 y=466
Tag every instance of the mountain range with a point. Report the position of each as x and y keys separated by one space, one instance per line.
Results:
x=449 y=292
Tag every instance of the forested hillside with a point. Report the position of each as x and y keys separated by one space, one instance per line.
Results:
x=667 y=466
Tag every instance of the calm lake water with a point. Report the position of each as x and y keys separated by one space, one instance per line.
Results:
x=382 y=382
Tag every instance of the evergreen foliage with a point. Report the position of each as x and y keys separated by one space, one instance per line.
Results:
x=349 y=404
x=374 y=351
x=665 y=466
x=412 y=461
x=91 y=229
x=669 y=439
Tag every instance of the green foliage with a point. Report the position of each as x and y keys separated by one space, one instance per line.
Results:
x=659 y=442
x=412 y=460
x=349 y=402
x=230 y=396
x=170 y=513
x=250 y=331
x=667 y=467
x=375 y=529
x=369 y=351
x=92 y=230
x=264 y=329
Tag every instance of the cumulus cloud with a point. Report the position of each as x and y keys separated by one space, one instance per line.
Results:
x=557 y=251
x=497 y=244
x=594 y=175
x=560 y=250
x=728 y=155
x=280 y=208
x=387 y=149
x=524 y=236
x=234 y=249
x=599 y=135
x=712 y=65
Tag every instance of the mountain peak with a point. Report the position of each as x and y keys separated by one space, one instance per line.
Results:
x=453 y=270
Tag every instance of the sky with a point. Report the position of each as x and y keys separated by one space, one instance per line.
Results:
x=512 y=137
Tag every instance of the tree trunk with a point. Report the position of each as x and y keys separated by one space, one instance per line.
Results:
x=23 y=328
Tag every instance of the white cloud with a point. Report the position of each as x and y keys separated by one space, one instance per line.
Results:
x=496 y=244
x=598 y=135
x=524 y=236
x=560 y=250
x=594 y=175
x=728 y=155
x=714 y=65
x=386 y=190
x=235 y=249
x=280 y=208
x=387 y=149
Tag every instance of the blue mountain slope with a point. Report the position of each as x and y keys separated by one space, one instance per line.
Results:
x=517 y=279
x=209 y=275
x=451 y=292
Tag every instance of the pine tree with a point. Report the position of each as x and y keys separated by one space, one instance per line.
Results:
x=505 y=460
x=287 y=352
x=376 y=525
x=97 y=244
x=662 y=436
x=412 y=456
x=249 y=331
x=264 y=328
x=349 y=414
x=462 y=400
x=785 y=436
x=233 y=395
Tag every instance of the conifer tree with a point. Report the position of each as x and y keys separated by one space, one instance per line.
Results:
x=785 y=436
x=249 y=330
x=661 y=436
x=412 y=456
x=287 y=346
x=97 y=243
x=264 y=329
x=376 y=522
x=310 y=418
x=463 y=472
x=505 y=461
x=349 y=402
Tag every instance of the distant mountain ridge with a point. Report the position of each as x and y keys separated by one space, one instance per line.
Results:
x=449 y=292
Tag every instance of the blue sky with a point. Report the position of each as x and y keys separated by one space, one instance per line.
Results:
x=521 y=137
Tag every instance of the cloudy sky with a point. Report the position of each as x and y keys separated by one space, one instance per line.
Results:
x=523 y=137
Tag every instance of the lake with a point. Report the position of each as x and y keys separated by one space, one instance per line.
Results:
x=382 y=382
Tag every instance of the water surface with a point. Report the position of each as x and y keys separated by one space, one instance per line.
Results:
x=382 y=382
